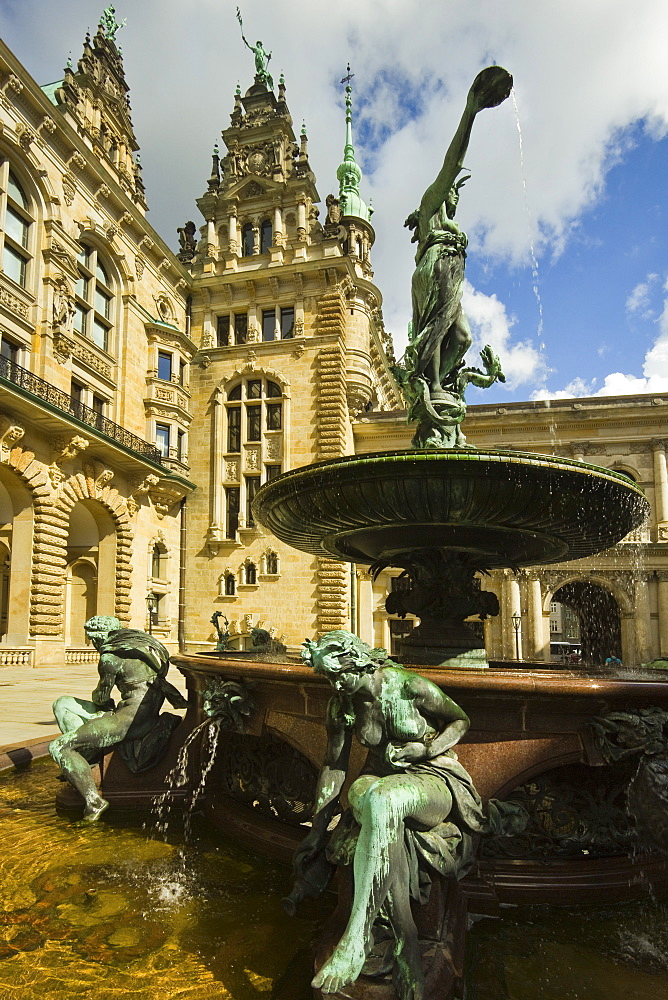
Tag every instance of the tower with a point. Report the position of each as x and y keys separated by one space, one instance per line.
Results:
x=292 y=348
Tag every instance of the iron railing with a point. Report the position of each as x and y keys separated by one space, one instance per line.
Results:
x=62 y=401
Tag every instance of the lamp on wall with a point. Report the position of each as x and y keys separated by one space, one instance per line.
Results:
x=151 y=607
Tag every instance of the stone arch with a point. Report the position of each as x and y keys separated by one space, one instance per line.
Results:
x=52 y=538
x=18 y=516
x=597 y=603
x=81 y=598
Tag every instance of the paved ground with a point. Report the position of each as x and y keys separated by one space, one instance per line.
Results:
x=27 y=694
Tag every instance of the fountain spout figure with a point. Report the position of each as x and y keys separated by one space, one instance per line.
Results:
x=136 y=664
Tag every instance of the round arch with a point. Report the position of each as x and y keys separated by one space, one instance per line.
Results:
x=599 y=614
x=16 y=529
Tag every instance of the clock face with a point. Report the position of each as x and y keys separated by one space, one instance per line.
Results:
x=256 y=162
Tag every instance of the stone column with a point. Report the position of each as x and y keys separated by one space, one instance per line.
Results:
x=278 y=226
x=365 y=607
x=210 y=234
x=642 y=621
x=494 y=625
x=510 y=606
x=233 y=228
x=301 y=220
x=660 y=488
x=662 y=586
x=216 y=531
x=20 y=569
x=629 y=654
x=538 y=649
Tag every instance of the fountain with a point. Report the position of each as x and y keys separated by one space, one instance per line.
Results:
x=563 y=747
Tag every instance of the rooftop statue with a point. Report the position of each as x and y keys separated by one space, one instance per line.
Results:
x=261 y=57
x=136 y=664
x=413 y=810
x=434 y=378
x=110 y=24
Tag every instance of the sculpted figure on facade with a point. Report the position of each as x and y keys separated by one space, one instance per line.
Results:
x=136 y=664
x=413 y=811
x=262 y=57
x=63 y=305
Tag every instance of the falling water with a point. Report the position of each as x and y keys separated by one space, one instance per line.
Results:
x=534 y=260
x=178 y=776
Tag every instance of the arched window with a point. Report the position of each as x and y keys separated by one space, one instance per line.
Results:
x=266 y=236
x=93 y=317
x=230 y=585
x=158 y=561
x=251 y=573
x=272 y=564
x=16 y=216
x=247 y=241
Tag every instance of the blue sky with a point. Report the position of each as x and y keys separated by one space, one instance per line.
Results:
x=590 y=201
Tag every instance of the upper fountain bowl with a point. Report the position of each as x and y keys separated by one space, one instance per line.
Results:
x=507 y=508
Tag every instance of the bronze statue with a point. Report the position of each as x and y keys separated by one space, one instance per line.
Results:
x=434 y=378
x=136 y=664
x=261 y=57
x=413 y=802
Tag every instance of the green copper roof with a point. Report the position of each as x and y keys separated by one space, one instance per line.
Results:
x=349 y=173
x=50 y=90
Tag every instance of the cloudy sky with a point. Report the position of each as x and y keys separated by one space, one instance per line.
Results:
x=567 y=206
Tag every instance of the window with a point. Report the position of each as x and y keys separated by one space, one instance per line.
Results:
x=94 y=299
x=162 y=439
x=287 y=323
x=232 y=498
x=399 y=629
x=240 y=328
x=272 y=472
x=234 y=428
x=274 y=391
x=274 y=416
x=157 y=563
x=252 y=486
x=223 y=331
x=272 y=564
x=76 y=392
x=9 y=350
x=99 y=405
x=165 y=366
x=268 y=324
x=17 y=226
x=253 y=424
x=251 y=573
x=266 y=236
x=247 y=240
x=230 y=584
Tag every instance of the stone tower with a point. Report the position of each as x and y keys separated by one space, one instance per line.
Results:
x=292 y=349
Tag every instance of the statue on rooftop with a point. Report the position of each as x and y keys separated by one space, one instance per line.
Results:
x=413 y=810
x=434 y=377
x=109 y=23
x=261 y=57
x=136 y=664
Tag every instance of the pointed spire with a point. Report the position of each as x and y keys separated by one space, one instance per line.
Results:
x=349 y=174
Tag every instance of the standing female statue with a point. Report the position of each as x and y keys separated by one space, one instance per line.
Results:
x=440 y=336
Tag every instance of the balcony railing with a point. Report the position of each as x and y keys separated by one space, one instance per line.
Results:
x=38 y=387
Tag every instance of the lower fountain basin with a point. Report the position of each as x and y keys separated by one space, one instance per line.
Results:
x=508 y=508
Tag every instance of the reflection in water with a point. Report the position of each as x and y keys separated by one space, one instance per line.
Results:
x=103 y=912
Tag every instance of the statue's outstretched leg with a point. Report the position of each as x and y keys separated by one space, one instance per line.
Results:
x=381 y=806
x=77 y=771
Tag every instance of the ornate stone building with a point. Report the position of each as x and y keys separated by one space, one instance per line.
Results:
x=620 y=596
x=94 y=367
x=292 y=349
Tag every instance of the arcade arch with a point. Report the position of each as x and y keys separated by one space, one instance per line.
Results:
x=16 y=536
x=91 y=568
x=600 y=619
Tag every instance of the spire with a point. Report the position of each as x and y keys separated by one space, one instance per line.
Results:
x=349 y=174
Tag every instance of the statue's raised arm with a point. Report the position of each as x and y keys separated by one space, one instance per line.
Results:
x=490 y=88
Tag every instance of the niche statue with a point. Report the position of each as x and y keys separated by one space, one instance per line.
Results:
x=434 y=377
x=413 y=810
x=136 y=664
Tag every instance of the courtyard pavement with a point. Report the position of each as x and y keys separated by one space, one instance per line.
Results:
x=27 y=694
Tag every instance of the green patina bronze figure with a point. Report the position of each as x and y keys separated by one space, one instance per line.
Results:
x=413 y=810
x=136 y=664
x=433 y=377
x=261 y=57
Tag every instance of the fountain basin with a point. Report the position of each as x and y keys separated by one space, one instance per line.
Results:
x=506 y=508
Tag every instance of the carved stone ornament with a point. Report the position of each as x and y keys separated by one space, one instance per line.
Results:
x=14 y=83
x=10 y=434
x=146 y=244
x=78 y=161
x=65 y=259
x=164 y=306
x=64 y=306
x=204 y=361
x=26 y=136
x=62 y=348
x=69 y=189
x=662 y=533
x=64 y=452
x=232 y=472
x=104 y=191
x=253 y=190
x=252 y=459
x=139 y=266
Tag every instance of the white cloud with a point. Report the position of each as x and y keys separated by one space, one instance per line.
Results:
x=490 y=324
x=639 y=302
